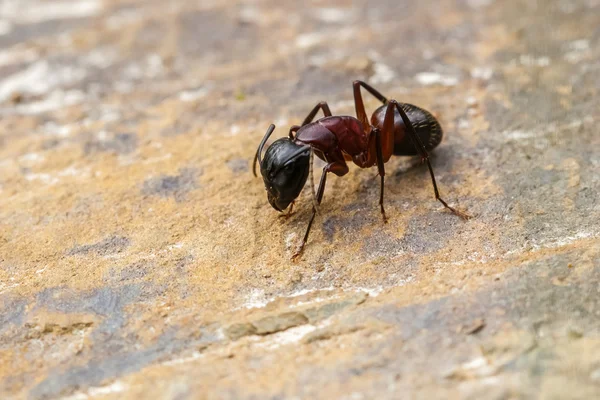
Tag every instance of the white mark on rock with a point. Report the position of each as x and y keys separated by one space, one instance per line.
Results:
x=479 y=3
x=115 y=387
x=372 y=292
x=564 y=241
x=123 y=18
x=290 y=240
x=5 y=287
x=289 y=336
x=195 y=355
x=36 y=12
x=250 y=15
x=306 y=40
x=578 y=51
x=433 y=78
x=519 y=134
x=483 y=73
x=44 y=178
x=153 y=160
x=177 y=245
x=532 y=61
x=151 y=67
x=193 y=94
x=30 y=159
x=52 y=129
x=257 y=299
x=17 y=55
x=334 y=15
x=101 y=58
x=382 y=73
x=39 y=78
x=234 y=130
x=5 y=27
x=56 y=100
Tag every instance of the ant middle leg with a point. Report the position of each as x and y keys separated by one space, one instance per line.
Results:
x=384 y=146
x=359 y=105
x=321 y=106
x=425 y=157
x=293 y=129
x=381 y=169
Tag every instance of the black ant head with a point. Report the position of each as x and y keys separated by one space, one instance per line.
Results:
x=284 y=170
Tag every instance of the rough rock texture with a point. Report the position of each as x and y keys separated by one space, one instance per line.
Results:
x=139 y=257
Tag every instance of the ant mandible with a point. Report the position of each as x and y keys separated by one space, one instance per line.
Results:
x=337 y=139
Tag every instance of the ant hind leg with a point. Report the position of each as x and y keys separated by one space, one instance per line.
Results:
x=425 y=157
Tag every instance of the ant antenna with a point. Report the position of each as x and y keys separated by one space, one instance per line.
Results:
x=257 y=156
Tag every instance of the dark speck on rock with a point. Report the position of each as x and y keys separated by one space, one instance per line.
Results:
x=176 y=186
x=238 y=165
x=121 y=143
x=110 y=245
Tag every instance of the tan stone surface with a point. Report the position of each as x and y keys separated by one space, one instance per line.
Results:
x=139 y=257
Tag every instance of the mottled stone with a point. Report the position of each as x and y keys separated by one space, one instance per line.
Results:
x=110 y=245
x=139 y=257
x=280 y=322
x=172 y=185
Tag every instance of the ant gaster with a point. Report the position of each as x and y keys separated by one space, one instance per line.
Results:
x=395 y=128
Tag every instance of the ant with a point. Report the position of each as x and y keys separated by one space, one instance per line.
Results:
x=336 y=139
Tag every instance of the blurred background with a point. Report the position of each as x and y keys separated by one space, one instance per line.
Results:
x=139 y=257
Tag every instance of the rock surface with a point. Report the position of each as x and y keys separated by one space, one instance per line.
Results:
x=139 y=257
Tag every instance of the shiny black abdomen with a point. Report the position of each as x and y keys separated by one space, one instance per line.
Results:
x=427 y=127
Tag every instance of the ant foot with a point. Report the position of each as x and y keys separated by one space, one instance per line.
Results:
x=458 y=213
x=385 y=218
x=286 y=216
x=461 y=214
x=296 y=256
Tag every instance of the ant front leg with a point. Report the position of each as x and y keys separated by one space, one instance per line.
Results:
x=321 y=106
x=320 y=192
x=425 y=156
x=339 y=168
x=289 y=213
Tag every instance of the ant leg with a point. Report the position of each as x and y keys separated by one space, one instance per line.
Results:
x=293 y=129
x=372 y=90
x=320 y=192
x=384 y=148
x=337 y=167
x=323 y=106
x=425 y=156
x=289 y=213
x=359 y=106
x=381 y=168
